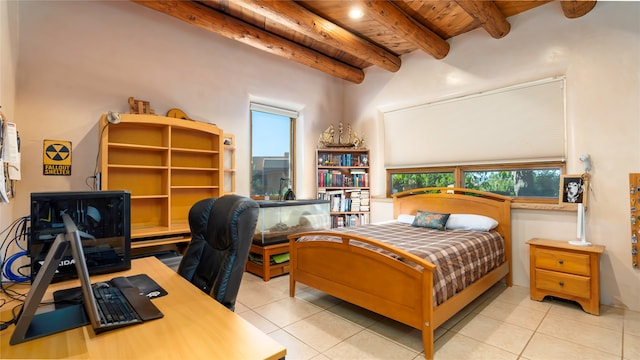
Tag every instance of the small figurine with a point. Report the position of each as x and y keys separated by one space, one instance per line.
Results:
x=355 y=140
x=346 y=138
x=327 y=136
x=140 y=106
x=362 y=143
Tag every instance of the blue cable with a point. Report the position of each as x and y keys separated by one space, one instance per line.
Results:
x=8 y=273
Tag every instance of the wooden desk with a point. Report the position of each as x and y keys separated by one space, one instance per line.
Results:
x=195 y=326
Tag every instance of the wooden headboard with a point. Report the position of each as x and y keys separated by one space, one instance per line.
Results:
x=458 y=201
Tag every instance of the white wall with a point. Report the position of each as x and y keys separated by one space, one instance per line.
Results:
x=78 y=60
x=600 y=56
x=8 y=60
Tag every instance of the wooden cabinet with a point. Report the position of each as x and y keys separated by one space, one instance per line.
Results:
x=262 y=260
x=343 y=179
x=167 y=164
x=566 y=271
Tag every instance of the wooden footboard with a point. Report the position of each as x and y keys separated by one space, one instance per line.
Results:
x=366 y=278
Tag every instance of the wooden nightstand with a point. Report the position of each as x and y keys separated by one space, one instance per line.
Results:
x=566 y=271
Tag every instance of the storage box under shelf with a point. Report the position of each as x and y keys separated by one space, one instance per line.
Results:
x=266 y=269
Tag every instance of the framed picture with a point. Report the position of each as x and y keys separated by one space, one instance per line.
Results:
x=574 y=190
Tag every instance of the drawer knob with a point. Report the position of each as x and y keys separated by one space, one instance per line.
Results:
x=561 y=283
x=560 y=261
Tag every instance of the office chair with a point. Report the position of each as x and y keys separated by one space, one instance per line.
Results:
x=221 y=233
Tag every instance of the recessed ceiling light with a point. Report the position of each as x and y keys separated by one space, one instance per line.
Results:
x=356 y=13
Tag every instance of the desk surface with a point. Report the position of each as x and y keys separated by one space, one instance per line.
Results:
x=194 y=326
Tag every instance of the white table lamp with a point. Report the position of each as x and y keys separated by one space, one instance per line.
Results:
x=582 y=229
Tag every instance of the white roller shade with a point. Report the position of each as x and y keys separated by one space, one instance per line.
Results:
x=514 y=124
x=273 y=110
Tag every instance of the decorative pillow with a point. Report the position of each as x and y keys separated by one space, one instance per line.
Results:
x=431 y=220
x=406 y=218
x=471 y=222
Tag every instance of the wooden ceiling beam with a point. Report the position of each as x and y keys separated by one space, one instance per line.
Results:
x=575 y=9
x=488 y=15
x=227 y=26
x=407 y=27
x=301 y=20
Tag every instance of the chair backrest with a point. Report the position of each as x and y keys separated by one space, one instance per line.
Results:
x=222 y=230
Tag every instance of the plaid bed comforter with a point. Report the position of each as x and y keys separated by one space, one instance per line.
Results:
x=461 y=257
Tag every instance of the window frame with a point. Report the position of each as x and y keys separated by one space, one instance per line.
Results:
x=292 y=143
x=458 y=171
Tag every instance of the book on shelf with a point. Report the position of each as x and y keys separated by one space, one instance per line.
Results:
x=335 y=198
x=348 y=159
x=331 y=178
x=274 y=259
x=349 y=220
x=364 y=199
x=354 y=199
x=355 y=204
x=335 y=204
x=346 y=200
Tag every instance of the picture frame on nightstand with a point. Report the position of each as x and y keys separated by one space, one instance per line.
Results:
x=574 y=190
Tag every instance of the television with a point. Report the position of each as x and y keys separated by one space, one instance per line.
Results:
x=103 y=219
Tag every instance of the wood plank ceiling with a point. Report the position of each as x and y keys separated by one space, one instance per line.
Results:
x=322 y=35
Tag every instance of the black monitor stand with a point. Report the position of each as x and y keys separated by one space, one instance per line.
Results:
x=31 y=325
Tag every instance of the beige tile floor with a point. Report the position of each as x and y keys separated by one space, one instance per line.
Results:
x=503 y=324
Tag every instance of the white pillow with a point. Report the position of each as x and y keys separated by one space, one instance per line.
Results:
x=470 y=222
x=406 y=218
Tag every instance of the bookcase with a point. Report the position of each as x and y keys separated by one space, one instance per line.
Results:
x=229 y=164
x=343 y=179
x=167 y=164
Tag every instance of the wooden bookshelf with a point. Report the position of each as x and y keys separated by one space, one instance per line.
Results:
x=229 y=164
x=167 y=164
x=343 y=179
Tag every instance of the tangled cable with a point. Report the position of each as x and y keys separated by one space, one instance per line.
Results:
x=19 y=230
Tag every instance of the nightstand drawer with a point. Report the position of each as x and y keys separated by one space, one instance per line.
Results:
x=568 y=284
x=562 y=261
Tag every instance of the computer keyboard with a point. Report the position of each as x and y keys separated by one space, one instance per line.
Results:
x=113 y=307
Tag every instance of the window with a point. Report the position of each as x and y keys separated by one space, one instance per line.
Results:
x=533 y=182
x=414 y=179
x=272 y=155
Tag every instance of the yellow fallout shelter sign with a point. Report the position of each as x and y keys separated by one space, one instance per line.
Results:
x=56 y=159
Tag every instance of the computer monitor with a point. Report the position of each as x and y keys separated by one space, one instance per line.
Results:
x=33 y=324
x=103 y=219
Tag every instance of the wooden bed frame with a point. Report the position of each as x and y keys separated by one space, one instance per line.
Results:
x=390 y=287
